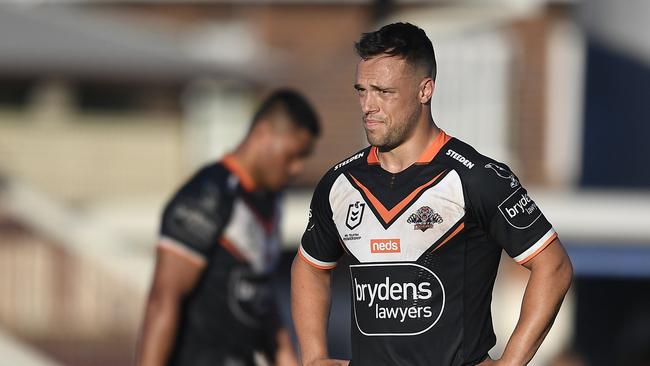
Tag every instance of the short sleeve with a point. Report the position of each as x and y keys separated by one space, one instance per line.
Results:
x=508 y=214
x=193 y=218
x=320 y=245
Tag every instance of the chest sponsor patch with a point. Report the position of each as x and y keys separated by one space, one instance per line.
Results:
x=519 y=209
x=385 y=246
x=399 y=299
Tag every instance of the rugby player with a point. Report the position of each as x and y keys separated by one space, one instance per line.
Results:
x=211 y=301
x=424 y=218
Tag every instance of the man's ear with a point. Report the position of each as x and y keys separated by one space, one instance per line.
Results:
x=426 y=90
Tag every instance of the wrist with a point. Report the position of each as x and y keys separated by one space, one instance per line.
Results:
x=310 y=359
x=509 y=362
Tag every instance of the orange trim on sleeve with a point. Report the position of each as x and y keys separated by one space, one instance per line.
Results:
x=183 y=253
x=302 y=256
x=385 y=213
x=458 y=229
x=540 y=249
x=232 y=164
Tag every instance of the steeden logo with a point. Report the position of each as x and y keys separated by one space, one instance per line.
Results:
x=385 y=246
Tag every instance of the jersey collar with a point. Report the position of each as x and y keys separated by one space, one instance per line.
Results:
x=427 y=156
x=231 y=163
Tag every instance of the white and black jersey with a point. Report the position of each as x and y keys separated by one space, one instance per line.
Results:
x=425 y=245
x=220 y=221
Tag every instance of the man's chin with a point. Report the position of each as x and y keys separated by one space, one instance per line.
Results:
x=378 y=143
x=373 y=139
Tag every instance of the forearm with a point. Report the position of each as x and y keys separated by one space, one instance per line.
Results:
x=158 y=333
x=310 y=301
x=542 y=300
x=285 y=354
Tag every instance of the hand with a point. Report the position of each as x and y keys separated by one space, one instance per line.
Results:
x=329 y=362
x=286 y=357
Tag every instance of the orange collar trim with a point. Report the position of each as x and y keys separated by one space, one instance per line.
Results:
x=232 y=164
x=429 y=153
x=433 y=148
x=372 y=156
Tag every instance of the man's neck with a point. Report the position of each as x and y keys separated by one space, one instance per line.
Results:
x=407 y=153
x=245 y=156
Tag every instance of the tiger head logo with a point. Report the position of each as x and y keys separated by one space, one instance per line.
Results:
x=424 y=218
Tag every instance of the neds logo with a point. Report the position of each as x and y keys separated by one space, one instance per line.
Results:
x=385 y=246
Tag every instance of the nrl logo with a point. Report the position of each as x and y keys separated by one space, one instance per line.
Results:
x=503 y=173
x=424 y=218
x=355 y=214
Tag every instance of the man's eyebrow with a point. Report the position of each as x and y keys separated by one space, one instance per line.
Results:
x=372 y=86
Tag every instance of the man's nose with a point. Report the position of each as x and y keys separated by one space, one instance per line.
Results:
x=369 y=104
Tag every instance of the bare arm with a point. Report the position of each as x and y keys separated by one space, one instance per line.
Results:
x=550 y=279
x=285 y=355
x=174 y=277
x=310 y=303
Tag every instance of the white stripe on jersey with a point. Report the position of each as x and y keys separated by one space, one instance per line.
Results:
x=181 y=249
x=532 y=251
x=315 y=261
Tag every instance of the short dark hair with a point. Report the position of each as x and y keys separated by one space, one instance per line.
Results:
x=402 y=40
x=295 y=105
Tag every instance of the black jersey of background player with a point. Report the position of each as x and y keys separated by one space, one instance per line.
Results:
x=425 y=246
x=231 y=312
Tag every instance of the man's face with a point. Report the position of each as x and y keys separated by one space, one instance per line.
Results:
x=285 y=156
x=388 y=94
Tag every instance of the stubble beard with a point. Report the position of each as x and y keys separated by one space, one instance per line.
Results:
x=394 y=135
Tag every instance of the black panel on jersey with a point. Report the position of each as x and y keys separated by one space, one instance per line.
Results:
x=320 y=228
x=498 y=201
x=197 y=213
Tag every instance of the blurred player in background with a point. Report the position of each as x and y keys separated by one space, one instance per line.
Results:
x=211 y=301
x=424 y=218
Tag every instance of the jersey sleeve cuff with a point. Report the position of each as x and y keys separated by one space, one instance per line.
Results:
x=181 y=250
x=302 y=253
x=537 y=247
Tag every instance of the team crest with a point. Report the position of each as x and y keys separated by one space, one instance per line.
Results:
x=503 y=173
x=424 y=218
x=355 y=214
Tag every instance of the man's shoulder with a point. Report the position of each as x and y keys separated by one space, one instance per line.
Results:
x=471 y=165
x=214 y=173
x=213 y=182
x=352 y=161
x=482 y=176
